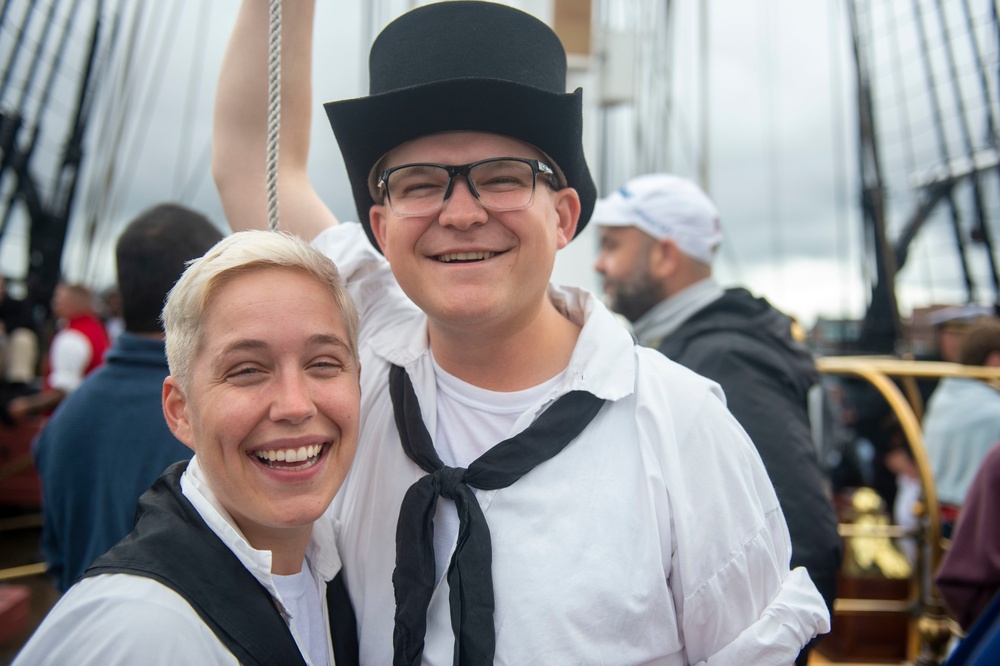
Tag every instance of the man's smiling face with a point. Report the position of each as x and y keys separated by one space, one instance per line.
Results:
x=467 y=266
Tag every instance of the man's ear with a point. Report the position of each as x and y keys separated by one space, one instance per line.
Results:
x=568 y=211
x=376 y=218
x=175 y=412
x=664 y=258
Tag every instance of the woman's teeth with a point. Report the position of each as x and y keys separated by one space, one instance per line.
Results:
x=301 y=454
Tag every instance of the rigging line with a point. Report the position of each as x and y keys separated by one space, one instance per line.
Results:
x=36 y=62
x=704 y=156
x=100 y=183
x=904 y=123
x=647 y=141
x=839 y=158
x=3 y=12
x=29 y=13
x=26 y=154
x=771 y=111
x=102 y=225
x=140 y=130
x=727 y=247
x=53 y=71
x=640 y=141
x=118 y=104
x=996 y=31
x=194 y=83
x=631 y=23
x=685 y=144
x=869 y=164
x=669 y=47
x=977 y=193
x=16 y=156
x=978 y=57
x=899 y=88
x=193 y=185
x=119 y=187
x=105 y=130
x=67 y=177
x=942 y=141
x=273 y=112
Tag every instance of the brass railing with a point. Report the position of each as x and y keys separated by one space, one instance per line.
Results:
x=930 y=627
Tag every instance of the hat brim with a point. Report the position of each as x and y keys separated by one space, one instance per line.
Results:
x=369 y=127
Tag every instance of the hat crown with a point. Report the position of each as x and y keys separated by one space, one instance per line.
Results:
x=466 y=40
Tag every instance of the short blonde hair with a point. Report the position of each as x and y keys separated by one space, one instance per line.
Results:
x=242 y=252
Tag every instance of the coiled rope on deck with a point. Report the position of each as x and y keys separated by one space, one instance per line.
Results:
x=273 y=111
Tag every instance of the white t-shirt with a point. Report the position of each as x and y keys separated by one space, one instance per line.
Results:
x=300 y=597
x=471 y=421
x=69 y=356
x=654 y=537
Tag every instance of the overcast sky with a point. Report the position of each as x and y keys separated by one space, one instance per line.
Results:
x=780 y=124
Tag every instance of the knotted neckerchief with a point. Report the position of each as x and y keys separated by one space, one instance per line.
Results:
x=470 y=573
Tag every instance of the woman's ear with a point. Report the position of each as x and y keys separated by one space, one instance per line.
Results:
x=175 y=412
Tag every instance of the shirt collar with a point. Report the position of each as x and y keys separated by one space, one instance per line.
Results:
x=668 y=315
x=321 y=551
x=602 y=363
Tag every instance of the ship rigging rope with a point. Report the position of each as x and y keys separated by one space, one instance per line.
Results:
x=273 y=111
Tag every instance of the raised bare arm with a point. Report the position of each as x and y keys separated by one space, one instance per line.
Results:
x=239 y=146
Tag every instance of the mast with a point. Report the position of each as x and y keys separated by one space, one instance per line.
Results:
x=956 y=140
x=48 y=215
x=881 y=326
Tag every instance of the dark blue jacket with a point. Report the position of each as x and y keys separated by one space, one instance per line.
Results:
x=103 y=447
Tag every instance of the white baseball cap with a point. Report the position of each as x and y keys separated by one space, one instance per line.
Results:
x=665 y=206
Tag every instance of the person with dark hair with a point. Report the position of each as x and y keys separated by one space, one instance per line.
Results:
x=962 y=420
x=108 y=441
x=530 y=486
x=659 y=237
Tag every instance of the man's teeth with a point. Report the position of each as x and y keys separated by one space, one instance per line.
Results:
x=301 y=454
x=466 y=256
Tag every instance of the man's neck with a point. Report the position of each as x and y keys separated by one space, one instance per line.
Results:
x=513 y=357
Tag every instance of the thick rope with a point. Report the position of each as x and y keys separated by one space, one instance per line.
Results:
x=273 y=112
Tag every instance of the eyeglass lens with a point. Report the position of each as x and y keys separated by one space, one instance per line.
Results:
x=498 y=184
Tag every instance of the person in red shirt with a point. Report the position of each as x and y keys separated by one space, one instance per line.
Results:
x=76 y=351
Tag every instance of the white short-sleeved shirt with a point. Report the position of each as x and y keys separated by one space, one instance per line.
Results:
x=655 y=537
x=961 y=425
x=123 y=620
x=69 y=357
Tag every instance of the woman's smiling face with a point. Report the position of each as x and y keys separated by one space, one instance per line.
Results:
x=272 y=409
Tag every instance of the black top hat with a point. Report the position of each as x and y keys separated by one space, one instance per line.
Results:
x=464 y=65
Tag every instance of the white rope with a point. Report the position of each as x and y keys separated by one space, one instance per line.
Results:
x=273 y=112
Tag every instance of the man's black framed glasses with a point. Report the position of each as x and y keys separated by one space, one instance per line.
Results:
x=499 y=183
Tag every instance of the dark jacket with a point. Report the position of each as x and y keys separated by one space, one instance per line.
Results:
x=102 y=448
x=745 y=345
